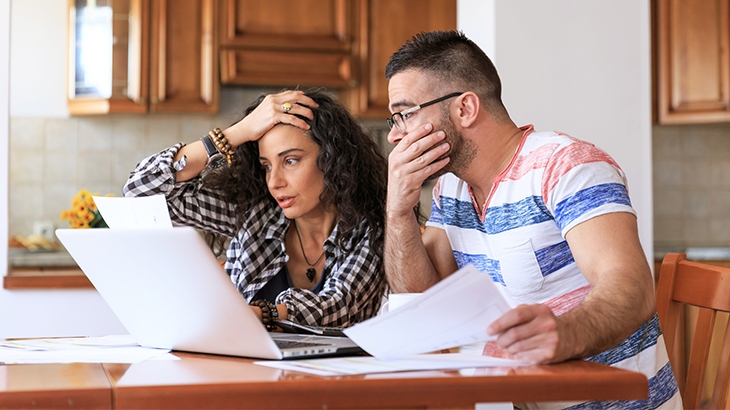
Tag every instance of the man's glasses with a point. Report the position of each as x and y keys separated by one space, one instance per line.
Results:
x=399 y=119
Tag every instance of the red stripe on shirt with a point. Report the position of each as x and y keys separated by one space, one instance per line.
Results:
x=533 y=160
x=568 y=301
x=575 y=154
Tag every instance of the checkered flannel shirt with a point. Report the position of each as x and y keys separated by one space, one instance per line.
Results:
x=354 y=282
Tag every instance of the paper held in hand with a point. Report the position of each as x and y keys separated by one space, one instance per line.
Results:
x=454 y=312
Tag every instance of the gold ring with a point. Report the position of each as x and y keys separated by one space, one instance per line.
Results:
x=286 y=106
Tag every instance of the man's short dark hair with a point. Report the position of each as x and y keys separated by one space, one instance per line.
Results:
x=455 y=61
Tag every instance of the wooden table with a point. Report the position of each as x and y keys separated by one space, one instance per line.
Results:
x=201 y=381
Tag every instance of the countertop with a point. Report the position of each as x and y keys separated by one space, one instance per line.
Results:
x=695 y=253
x=34 y=259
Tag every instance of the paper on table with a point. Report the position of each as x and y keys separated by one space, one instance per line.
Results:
x=454 y=312
x=338 y=366
x=106 y=349
x=138 y=212
x=70 y=343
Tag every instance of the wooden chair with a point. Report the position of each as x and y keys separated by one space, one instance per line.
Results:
x=706 y=287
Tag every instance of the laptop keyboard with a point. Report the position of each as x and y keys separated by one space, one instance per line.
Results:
x=285 y=344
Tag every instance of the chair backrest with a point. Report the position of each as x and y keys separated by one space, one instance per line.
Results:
x=706 y=287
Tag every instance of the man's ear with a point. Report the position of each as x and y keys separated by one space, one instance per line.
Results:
x=467 y=109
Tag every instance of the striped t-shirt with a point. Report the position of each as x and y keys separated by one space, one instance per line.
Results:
x=553 y=183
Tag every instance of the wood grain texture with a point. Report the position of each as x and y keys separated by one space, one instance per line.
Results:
x=706 y=288
x=198 y=382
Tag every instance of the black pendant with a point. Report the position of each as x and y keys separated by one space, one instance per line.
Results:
x=310 y=273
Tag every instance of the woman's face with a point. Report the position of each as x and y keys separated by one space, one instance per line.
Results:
x=289 y=158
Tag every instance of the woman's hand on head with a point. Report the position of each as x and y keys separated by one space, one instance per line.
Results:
x=274 y=109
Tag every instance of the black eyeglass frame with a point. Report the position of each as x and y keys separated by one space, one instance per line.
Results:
x=393 y=122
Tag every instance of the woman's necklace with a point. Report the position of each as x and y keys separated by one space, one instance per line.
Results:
x=310 y=270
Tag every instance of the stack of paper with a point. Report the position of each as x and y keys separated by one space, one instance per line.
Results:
x=106 y=349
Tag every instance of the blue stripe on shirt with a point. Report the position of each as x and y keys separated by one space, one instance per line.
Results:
x=482 y=263
x=588 y=199
x=549 y=259
x=525 y=212
x=461 y=214
x=554 y=257
x=643 y=338
x=436 y=215
x=662 y=387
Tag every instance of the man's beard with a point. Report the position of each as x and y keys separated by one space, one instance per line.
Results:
x=461 y=151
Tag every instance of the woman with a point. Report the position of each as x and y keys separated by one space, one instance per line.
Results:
x=301 y=199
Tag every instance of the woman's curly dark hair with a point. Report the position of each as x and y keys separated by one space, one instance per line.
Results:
x=354 y=168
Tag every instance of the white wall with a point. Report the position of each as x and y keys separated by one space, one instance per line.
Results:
x=38 y=47
x=580 y=67
x=4 y=131
x=33 y=47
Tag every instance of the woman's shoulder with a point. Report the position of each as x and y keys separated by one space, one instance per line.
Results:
x=265 y=219
x=359 y=237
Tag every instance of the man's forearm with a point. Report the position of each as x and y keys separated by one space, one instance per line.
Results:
x=408 y=267
x=604 y=319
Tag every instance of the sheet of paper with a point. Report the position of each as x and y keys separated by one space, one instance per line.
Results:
x=454 y=312
x=339 y=366
x=106 y=349
x=139 y=212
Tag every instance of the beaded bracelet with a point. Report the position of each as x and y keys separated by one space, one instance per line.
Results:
x=222 y=144
x=268 y=313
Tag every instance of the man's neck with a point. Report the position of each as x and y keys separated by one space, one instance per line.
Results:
x=496 y=146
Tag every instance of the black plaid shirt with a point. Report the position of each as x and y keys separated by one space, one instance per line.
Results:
x=354 y=282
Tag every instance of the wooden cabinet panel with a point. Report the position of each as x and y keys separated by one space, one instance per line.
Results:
x=163 y=57
x=184 y=65
x=120 y=85
x=276 y=68
x=343 y=44
x=293 y=25
x=287 y=43
x=46 y=277
x=693 y=65
x=383 y=27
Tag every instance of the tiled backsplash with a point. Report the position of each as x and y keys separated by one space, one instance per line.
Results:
x=52 y=158
x=691 y=185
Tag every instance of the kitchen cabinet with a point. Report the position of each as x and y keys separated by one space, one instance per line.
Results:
x=383 y=26
x=342 y=44
x=287 y=43
x=691 y=61
x=143 y=56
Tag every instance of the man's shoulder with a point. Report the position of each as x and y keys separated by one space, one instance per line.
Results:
x=560 y=148
x=555 y=139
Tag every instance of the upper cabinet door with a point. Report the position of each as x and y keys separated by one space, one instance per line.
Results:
x=286 y=43
x=141 y=56
x=183 y=57
x=384 y=25
x=108 y=56
x=692 y=61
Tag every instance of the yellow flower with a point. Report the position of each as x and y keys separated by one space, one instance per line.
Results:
x=76 y=224
x=84 y=212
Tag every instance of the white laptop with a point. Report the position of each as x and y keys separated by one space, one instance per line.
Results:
x=169 y=291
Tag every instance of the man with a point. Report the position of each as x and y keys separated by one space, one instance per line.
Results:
x=547 y=216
